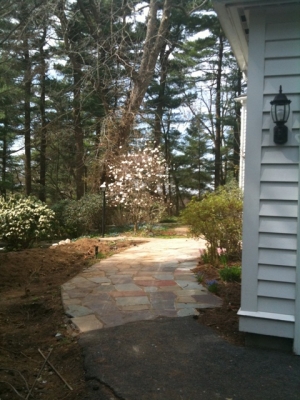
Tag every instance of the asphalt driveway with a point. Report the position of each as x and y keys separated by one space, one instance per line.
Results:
x=180 y=359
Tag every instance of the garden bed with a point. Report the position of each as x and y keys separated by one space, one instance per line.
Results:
x=223 y=319
x=32 y=318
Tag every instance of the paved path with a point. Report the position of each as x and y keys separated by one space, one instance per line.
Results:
x=142 y=283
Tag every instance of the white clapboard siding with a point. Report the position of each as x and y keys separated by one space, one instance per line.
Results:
x=277 y=241
x=293 y=96
x=277 y=273
x=281 y=30
x=290 y=84
x=270 y=208
x=295 y=123
x=282 y=306
x=266 y=120
x=277 y=290
x=286 y=155
x=277 y=257
x=288 y=66
x=278 y=225
x=279 y=173
x=276 y=49
x=279 y=191
x=293 y=135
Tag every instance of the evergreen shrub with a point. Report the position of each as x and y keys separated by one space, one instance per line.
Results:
x=80 y=217
x=218 y=219
x=24 y=220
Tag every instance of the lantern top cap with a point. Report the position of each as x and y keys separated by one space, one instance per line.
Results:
x=280 y=98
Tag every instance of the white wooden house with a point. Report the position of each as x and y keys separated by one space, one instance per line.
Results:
x=265 y=38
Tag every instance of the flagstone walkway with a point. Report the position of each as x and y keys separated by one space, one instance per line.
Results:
x=144 y=282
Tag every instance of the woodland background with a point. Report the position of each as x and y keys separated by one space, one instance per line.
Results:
x=83 y=81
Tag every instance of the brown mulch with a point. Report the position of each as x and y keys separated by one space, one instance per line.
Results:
x=223 y=319
x=32 y=318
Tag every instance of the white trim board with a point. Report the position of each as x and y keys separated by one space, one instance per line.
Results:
x=266 y=315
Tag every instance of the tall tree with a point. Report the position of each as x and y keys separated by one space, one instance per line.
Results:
x=27 y=117
x=42 y=107
x=72 y=38
x=90 y=75
x=216 y=67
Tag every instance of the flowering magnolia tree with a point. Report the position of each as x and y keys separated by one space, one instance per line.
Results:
x=136 y=182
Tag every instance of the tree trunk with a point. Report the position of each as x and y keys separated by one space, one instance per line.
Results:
x=218 y=138
x=155 y=38
x=27 y=117
x=161 y=93
x=78 y=132
x=70 y=45
x=4 y=157
x=199 y=166
x=43 y=145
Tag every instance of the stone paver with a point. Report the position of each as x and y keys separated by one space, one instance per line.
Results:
x=87 y=323
x=144 y=282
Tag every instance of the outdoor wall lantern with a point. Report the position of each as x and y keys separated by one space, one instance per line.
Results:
x=280 y=112
x=103 y=188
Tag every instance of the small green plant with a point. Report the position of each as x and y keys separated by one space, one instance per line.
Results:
x=223 y=258
x=231 y=274
x=212 y=286
x=204 y=256
x=200 y=277
x=100 y=255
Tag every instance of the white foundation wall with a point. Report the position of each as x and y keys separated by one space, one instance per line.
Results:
x=270 y=276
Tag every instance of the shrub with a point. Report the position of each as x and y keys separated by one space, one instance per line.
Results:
x=231 y=274
x=24 y=220
x=59 y=210
x=81 y=217
x=218 y=217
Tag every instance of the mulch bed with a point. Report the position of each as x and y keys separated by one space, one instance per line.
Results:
x=223 y=319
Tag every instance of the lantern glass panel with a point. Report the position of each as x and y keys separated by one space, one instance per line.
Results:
x=280 y=112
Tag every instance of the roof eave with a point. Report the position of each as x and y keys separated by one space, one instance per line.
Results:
x=229 y=18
